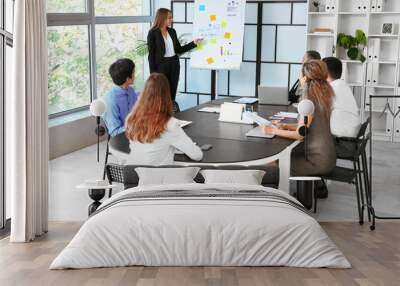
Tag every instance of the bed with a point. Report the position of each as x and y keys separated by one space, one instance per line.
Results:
x=201 y=225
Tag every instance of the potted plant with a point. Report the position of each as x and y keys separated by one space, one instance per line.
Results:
x=354 y=45
x=142 y=50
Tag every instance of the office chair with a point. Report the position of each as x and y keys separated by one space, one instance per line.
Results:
x=353 y=141
x=358 y=175
x=115 y=174
x=351 y=144
x=176 y=107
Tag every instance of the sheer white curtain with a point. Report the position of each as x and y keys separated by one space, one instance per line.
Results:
x=27 y=135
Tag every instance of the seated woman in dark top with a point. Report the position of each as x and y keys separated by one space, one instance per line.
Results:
x=321 y=153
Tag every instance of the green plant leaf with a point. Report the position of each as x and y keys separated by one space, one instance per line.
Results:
x=141 y=48
x=352 y=53
x=360 y=37
x=339 y=39
x=347 y=41
x=362 y=58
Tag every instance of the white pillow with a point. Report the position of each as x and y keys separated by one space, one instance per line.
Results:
x=248 y=177
x=166 y=176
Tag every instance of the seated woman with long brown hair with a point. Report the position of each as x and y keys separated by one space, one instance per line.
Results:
x=321 y=154
x=153 y=132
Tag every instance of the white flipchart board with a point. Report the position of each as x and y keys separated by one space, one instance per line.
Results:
x=221 y=25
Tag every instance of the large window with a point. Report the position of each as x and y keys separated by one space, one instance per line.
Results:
x=6 y=43
x=84 y=38
x=274 y=43
x=69 y=76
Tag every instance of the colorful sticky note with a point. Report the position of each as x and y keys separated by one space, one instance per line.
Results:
x=200 y=46
x=213 y=41
x=227 y=35
x=210 y=61
x=202 y=8
x=224 y=24
x=213 y=18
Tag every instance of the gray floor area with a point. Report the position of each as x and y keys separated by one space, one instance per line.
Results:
x=66 y=203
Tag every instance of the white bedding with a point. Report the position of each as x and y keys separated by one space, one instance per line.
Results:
x=200 y=231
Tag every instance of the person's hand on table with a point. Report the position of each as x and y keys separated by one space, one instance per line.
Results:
x=268 y=129
x=278 y=123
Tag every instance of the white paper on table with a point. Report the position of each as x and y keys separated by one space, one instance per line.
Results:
x=253 y=116
x=183 y=123
x=210 y=109
x=246 y=100
x=294 y=115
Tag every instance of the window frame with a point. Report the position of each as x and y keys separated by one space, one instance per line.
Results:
x=90 y=20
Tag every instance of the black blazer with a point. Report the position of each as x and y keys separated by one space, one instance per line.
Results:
x=156 y=46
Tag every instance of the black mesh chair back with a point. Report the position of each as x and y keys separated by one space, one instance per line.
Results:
x=115 y=174
x=176 y=107
x=361 y=147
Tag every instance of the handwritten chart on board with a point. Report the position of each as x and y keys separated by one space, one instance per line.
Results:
x=221 y=25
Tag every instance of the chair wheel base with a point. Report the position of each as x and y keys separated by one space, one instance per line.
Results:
x=372 y=227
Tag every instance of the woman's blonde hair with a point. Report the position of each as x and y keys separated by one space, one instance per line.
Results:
x=149 y=118
x=317 y=89
x=161 y=18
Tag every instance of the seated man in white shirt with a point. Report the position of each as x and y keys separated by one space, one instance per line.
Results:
x=345 y=116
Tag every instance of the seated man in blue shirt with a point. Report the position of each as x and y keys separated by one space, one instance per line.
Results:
x=121 y=98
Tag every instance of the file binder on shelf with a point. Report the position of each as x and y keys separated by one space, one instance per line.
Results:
x=377 y=49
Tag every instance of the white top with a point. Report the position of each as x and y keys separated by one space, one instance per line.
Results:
x=345 y=117
x=169 y=47
x=161 y=151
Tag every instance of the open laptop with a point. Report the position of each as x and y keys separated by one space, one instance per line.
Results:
x=275 y=95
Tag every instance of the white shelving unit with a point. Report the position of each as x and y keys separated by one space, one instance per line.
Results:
x=380 y=73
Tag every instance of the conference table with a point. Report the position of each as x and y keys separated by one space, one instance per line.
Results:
x=230 y=145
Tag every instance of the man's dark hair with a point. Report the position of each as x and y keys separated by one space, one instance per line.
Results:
x=335 y=67
x=313 y=55
x=121 y=70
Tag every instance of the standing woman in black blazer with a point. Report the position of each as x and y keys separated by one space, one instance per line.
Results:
x=164 y=49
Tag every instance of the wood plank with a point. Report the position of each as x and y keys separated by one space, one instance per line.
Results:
x=375 y=257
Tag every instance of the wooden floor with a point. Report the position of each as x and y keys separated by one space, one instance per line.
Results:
x=375 y=257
